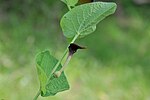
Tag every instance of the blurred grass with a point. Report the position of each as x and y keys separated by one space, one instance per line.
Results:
x=115 y=65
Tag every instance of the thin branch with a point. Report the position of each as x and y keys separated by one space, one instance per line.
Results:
x=37 y=95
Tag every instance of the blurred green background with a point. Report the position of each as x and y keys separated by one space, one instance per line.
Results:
x=115 y=65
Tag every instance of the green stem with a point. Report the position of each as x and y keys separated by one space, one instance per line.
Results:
x=64 y=54
x=58 y=63
x=69 y=7
x=54 y=69
x=37 y=95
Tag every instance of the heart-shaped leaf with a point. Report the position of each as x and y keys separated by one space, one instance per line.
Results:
x=82 y=19
x=45 y=64
x=70 y=2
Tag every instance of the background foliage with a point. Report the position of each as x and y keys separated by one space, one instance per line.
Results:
x=114 y=67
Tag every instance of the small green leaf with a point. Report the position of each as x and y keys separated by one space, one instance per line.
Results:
x=45 y=64
x=82 y=19
x=70 y=2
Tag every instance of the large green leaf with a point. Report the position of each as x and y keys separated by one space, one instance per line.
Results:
x=82 y=19
x=45 y=64
x=70 y=2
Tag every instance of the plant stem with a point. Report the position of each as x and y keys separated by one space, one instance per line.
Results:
x=54 y=69
x=69 y=7
x=64 y=54
x=58 y=63
x=37 y=95
x=66 y=63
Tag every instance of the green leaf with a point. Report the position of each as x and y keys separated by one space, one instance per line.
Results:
x=70 y=2
x=45 y=64
x=82 y=19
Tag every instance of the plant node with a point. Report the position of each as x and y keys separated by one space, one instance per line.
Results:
x=57 y=74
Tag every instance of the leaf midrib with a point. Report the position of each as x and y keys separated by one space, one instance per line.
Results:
x=93 y=20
